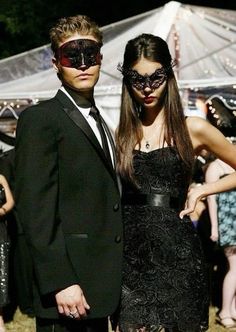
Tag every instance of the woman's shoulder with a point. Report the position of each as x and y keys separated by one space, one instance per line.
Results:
x=226 y=169
x=196 y=125
x=203 y=134
x=2 y=178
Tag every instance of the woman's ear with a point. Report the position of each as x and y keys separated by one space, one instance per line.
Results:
x=99 y=58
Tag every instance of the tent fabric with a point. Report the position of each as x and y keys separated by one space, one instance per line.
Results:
x=201 y=39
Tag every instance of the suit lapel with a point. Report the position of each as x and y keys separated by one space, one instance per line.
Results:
x=74 y=114
x=113 y=150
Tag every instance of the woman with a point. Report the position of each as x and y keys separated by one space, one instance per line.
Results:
x=222 y=211
x=6 y=204
x=164 y=275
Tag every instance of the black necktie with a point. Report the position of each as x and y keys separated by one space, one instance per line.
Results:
x=94 y=112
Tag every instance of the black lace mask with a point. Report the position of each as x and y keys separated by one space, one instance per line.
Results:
x=140 y=82
x=76 y=53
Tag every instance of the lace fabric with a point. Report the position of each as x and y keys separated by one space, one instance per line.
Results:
x=164 y=272
x=4 y=264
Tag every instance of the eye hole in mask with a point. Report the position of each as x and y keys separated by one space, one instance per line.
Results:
x=153 y=81
x=140 y=82
x=79 y=52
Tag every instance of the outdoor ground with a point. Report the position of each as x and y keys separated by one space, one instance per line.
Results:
x=22 y=323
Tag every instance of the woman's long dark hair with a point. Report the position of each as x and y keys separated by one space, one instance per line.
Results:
x=129 y=132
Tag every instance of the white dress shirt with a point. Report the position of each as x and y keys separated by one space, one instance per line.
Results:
x=91 y=121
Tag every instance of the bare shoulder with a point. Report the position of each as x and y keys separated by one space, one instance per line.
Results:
x=213 y=166
x=202 y=130
x=2 y=179
x=206 y=136
x=214 y=171
x=197 y=125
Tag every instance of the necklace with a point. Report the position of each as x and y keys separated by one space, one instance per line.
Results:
x=151 y=141
x=147 y=145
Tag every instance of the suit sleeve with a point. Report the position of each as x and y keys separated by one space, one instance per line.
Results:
x=36 y=195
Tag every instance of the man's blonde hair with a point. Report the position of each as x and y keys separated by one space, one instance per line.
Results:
x=67 y=26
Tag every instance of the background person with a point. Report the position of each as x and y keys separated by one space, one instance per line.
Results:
x=222 y=211
x=6 y=204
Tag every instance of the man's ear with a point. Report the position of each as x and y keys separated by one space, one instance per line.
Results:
x=55 y=64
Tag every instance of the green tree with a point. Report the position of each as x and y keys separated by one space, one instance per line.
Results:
x=25 y=24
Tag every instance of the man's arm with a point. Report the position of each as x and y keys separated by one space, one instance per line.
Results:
x=36 y=194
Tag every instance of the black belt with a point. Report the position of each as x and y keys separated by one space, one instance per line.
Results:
x=162 y=200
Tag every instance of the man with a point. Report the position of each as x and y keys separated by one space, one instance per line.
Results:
x=66 y=191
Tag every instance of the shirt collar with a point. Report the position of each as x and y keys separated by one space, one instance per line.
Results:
x=84 y=108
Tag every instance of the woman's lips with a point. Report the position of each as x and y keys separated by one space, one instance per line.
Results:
x=149 y=100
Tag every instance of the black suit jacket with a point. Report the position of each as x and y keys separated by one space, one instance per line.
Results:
x=68 y=207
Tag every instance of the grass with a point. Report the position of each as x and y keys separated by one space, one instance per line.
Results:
x=22 y=323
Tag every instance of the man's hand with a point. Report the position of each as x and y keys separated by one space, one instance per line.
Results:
x=71 y=302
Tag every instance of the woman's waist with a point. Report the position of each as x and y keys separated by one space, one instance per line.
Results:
x=166 y=200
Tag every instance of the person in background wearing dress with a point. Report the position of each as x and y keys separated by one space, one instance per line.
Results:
x=66 y=191
x=222 y=211
x=6 y=205
x=164 y=271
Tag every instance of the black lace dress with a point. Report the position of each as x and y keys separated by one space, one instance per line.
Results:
x=164 y=272
x=4 y=263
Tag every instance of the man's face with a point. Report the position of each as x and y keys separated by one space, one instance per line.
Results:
x=78 y=62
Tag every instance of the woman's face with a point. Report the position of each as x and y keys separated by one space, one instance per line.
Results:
x=148 y=83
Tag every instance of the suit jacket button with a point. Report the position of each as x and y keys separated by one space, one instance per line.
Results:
x=117 y=238
x=116 y=207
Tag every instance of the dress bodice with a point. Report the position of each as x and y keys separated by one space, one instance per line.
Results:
x=160 y=171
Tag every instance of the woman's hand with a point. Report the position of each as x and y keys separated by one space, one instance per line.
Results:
x=214 y=234
x=194 y=196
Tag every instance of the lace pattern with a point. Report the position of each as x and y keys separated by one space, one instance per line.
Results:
x=164 y=273
x=4 y=263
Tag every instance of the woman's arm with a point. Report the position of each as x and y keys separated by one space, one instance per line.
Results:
x=205 y=136
x=213 y=173
x=6 y=207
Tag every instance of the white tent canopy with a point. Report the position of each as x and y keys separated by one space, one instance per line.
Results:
x=201 y=39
